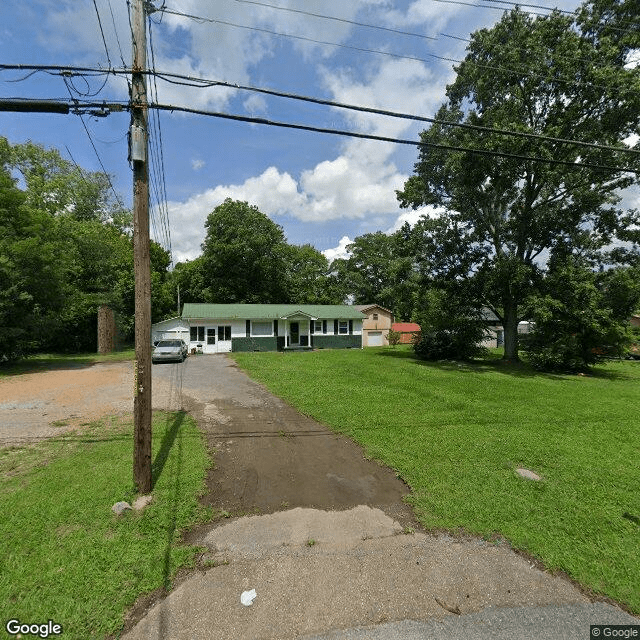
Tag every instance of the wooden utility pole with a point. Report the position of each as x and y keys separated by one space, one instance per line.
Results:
x=141 y=260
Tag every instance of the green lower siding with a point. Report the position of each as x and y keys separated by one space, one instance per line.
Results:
x=336 y=342
x=254 y=344
x=318 y=341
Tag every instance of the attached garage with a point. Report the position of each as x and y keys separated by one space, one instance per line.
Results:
x=375 y=339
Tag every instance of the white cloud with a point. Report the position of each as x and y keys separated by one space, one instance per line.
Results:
x=338 y=252
x=360 y=183
x=197 y=164
x=413 y=216
x=255 y=104
x=274 y=193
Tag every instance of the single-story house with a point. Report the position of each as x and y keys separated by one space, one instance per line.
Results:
x=376 y=326
x=219 y=328
x=407 y=331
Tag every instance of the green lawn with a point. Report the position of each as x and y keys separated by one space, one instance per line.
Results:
x=48 y=361
x=457 y=432
x=64 y=555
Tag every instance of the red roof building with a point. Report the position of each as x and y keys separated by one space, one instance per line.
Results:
x=407 y=329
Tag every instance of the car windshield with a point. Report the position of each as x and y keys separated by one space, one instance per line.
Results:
x=169 y=343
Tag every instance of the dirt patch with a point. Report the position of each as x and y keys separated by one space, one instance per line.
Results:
x=40 y=405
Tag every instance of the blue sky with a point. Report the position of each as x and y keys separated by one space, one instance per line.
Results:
x=323 y=190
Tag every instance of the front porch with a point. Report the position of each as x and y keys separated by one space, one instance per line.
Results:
x=297 y=331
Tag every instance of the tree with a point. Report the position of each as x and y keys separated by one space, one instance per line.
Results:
x=307 y=272
x=580 y=317
x=243 y=256
x=380 y=270
x=451 y=326
x=65 y=249
x=32 y=268
x=559 y=76
x=60 y=187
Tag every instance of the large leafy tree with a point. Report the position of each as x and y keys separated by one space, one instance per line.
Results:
x=380 y=270
x=559 y=76
x=32 y=268
x=59 y=187
x=581 y=317
x=307 y=280
x=243 y=257
x=65 y=249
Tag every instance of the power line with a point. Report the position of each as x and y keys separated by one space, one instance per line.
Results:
x=95 y=150
x=106 y=49
x=366 y=136
x=352 y=134
x=517 y=4
x=158 y=155
x=206 y=83
x=396 y=31
x=396 y=114
x=518 y=72
x=335 y=19
x=115 y=30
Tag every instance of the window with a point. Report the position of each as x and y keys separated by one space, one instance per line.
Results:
x=317 y=326
x=375 y=316
x=197 y=334
x=343 y=326
x=261 y=329
x=211 y=336
x=224 y=333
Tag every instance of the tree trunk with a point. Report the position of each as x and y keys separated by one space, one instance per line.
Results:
x=510 y=333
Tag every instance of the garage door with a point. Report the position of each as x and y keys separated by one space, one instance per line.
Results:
x=375 y=338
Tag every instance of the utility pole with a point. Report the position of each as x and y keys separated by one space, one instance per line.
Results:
x=141 y=261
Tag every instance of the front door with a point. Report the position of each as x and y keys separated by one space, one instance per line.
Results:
x=224 y=339
x=294 y=333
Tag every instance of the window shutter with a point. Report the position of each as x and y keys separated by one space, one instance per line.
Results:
x=335 y=327
x=275 y=328
x=312 y=325
x=248 y=327
x=324 y=326
x=350 y=327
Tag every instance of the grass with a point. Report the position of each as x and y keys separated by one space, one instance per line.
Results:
x=456 y=433
x=65 y=556
x=48 y=361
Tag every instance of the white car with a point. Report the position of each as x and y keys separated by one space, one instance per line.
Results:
x=170 y=351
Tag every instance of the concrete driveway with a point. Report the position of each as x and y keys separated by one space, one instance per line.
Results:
x=329 y=545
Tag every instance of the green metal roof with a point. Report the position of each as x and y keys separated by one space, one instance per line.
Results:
x=269 y=311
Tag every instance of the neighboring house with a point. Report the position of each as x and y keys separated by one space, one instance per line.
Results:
x=377 y=325
x=635 y=320
x=219 y=328
x=494 y=336
x=407 y=331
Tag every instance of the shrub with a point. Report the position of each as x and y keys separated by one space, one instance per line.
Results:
x=450 y=329
x=394 y=337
